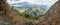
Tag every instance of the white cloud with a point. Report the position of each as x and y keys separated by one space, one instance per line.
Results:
x=38 y=2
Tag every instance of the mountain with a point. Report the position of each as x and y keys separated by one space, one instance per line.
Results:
x=32 y=9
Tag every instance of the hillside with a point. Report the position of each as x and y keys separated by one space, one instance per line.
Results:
x=52 y=16
x=9 y=17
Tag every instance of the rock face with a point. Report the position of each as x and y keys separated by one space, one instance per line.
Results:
x=52 y=16
x=9 y=17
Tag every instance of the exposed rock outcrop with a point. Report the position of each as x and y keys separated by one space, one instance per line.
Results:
x=9 y=17
x=52 y=16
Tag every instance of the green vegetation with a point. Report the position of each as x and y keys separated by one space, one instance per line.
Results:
x=31 y=17
x=30 y=13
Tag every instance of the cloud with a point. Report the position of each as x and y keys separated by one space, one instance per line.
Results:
x=42 y=3
x=37 y=2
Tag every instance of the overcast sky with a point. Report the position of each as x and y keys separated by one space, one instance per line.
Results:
x=48 y=3
x=38 y=2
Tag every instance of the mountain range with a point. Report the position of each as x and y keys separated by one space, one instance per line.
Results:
x=31 y=8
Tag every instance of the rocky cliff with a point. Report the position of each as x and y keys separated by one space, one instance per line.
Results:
x=9 y=17
x=52 y=16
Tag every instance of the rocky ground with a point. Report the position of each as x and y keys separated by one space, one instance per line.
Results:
x=9 y=17
x=52 y=16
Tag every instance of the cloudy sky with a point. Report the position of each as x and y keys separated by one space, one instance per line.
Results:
x=38 y=2
x=48 y=3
